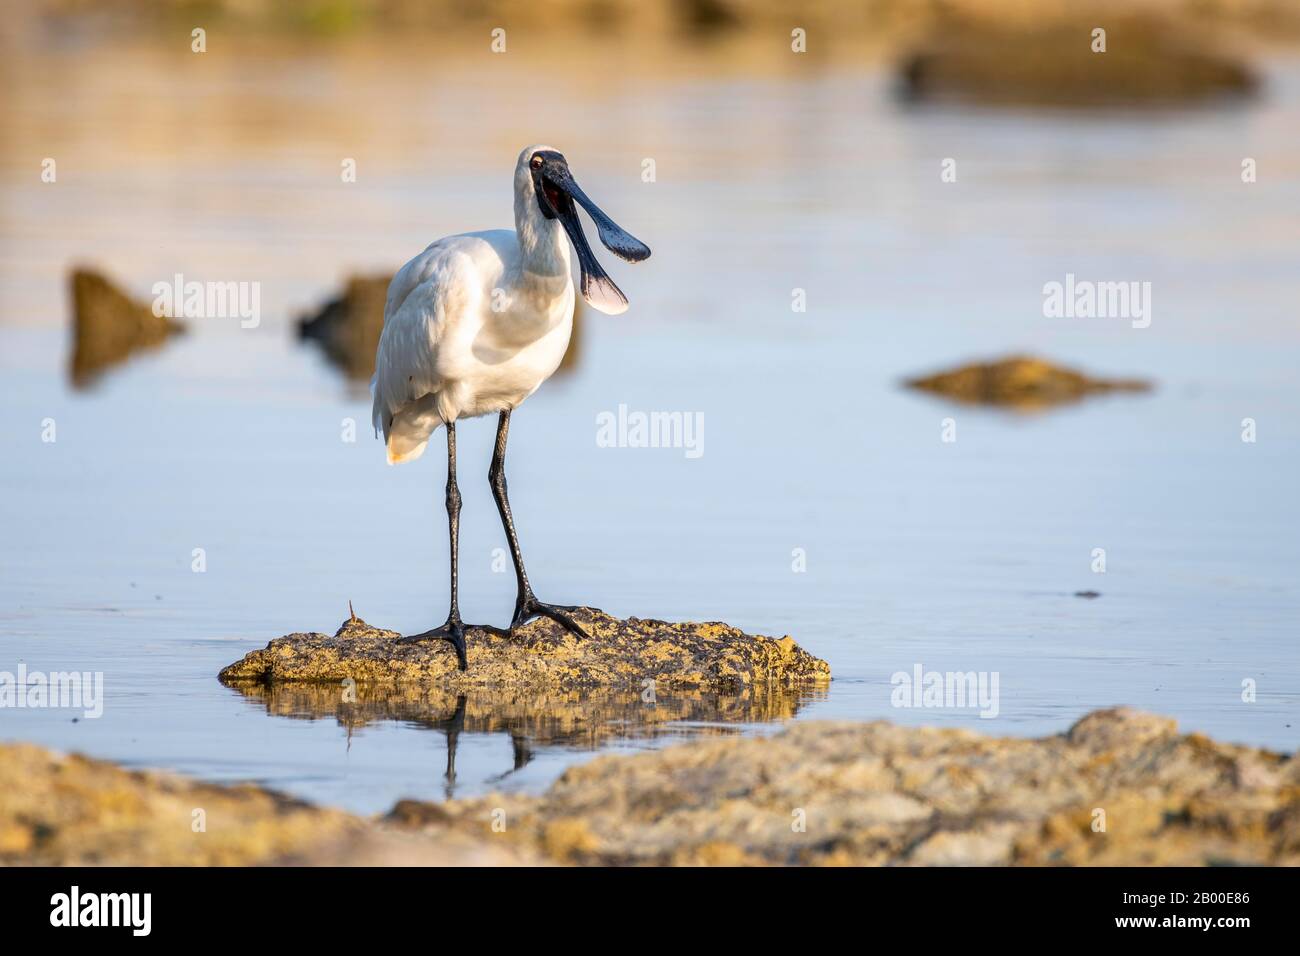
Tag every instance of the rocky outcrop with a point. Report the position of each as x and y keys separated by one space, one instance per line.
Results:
x=632 y=653
x=1021 y=382
x=1119 y=788
x=60 y=810
x=108 y=326
x=348 y=327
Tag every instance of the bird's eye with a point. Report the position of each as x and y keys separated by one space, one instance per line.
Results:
x=536 y=162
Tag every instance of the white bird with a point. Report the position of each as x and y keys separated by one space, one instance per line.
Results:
x=474 y=324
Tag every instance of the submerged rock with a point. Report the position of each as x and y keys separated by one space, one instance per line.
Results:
x=541 y=654
x=1146 y=62
x=1020 y=381
x=108 y=326
x=1120 y=788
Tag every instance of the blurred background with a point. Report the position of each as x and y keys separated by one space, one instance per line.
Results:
x=917 y=170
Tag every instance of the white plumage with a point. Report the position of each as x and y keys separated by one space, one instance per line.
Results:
x=476 y=322
x=473 y=325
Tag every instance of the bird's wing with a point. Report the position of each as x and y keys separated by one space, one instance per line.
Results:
x=411 y=276
x=432 y=300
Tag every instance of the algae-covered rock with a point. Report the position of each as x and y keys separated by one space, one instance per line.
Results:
x=541 y=654
x=108 y=326
x=1020 y=381
x=1120 y=788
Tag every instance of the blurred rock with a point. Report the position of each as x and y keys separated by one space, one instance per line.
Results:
x=60 y=810
x=1147 y=62
x=541 y=654
x=108 y=326
x=829 y=20
x=1121 y=788
x=1021 y=382
x=348 y=327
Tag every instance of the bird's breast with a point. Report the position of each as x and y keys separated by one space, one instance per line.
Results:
x=530 y=310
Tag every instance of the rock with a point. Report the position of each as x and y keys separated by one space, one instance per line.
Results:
x=108 y=326
x=540 y=655
x=73 y=811
x=881 y=794
x=1147 y=62
x=348 y=327
x=817 y=793
x=1020 y=381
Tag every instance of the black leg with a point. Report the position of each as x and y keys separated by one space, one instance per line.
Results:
x=454 y=630
x=452 y=728
x=526 y=604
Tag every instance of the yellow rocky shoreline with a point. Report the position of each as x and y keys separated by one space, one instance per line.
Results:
x=1120 y=787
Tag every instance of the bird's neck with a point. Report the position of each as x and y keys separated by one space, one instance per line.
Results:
x=542 y=242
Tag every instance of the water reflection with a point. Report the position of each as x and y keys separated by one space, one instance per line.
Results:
x=585 y=719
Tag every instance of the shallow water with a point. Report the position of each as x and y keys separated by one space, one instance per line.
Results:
x=956 y=556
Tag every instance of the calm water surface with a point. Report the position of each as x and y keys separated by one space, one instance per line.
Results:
x=956 y=556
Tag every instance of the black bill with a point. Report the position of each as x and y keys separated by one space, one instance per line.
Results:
x=556 y=191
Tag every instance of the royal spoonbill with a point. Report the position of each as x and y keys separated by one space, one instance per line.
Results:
x=473 y=325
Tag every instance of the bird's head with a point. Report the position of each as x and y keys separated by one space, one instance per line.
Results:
x=555 y=191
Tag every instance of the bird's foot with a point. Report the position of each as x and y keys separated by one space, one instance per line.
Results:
x=453 y=632
x=528 y=607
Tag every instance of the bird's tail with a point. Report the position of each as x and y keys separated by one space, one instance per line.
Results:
x=407 y=432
